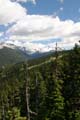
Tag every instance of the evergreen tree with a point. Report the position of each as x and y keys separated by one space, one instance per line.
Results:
x=71 y=77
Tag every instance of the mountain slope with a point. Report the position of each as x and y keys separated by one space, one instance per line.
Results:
x=11 y=56
x=60 y=92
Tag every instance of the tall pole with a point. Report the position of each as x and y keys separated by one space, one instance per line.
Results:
x=27 y=90
x=36 y=96
x=56 y=50
x=56 y=59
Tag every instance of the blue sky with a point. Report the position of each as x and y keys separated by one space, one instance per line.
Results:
x=40 y=21
x=71 y=9
x=49 y=7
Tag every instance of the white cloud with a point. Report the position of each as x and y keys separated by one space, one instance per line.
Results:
x=31 y=47
x=40 y=27
x=35 y=27
x=10 y=12
x=61 y=1
x=1 y=33
x=33 y=1
x=61 y=8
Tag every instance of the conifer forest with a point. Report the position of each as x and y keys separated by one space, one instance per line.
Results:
x=42 y=89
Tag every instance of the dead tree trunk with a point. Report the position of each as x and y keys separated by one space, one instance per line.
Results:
x=37 y=95
x=27 y=89
x=56 y=59
x=27 y=99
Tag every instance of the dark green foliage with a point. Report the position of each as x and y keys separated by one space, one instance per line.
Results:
x=11 y=56
x=71 y=77
x=54 y=89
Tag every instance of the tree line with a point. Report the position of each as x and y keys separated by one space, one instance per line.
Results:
x=49 y=92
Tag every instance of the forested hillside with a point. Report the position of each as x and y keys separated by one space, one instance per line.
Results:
x=49 y=91
x=11 y=56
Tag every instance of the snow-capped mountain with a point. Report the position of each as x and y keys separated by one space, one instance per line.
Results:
x=12 y=52
x=4 y=44
x=27 y=47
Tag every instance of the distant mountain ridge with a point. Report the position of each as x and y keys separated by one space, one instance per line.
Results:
x=11 y=54
x=25 y=46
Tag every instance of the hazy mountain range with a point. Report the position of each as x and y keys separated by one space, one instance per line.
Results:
x=11 y=53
